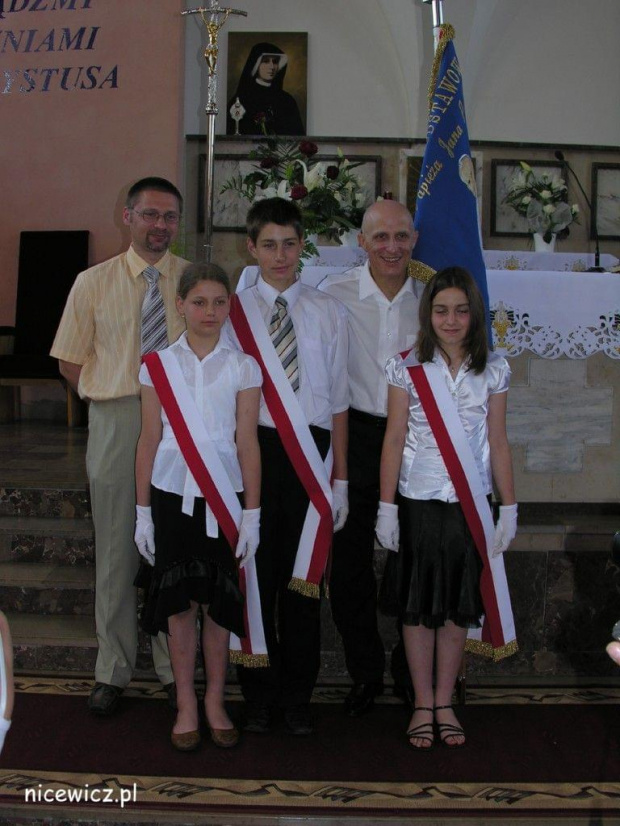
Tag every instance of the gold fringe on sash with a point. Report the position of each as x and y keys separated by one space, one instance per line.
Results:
x=248 y=660
x=306 y=589
x=419 y=271
x=485 y=649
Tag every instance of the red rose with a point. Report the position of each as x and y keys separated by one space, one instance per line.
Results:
x=260 y=117
x=308 y=148
x=268 y=163
x=298 y=192
x=332 y=172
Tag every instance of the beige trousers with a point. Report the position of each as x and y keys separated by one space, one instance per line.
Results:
x=114 y=427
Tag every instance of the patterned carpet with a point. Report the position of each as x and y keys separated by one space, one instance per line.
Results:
x=531 y=754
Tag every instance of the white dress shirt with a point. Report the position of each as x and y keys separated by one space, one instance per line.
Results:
x=423 y=473
x=213 y=383
x=320 y=325
x=378 y=329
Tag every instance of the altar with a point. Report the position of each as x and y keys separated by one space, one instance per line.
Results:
x=543 y=303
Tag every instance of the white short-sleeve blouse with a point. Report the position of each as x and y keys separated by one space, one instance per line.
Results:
x=423 y=474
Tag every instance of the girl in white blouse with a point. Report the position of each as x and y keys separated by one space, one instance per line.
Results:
x=176 y=531
x=439 y=566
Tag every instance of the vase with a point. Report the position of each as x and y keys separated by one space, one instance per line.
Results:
x=349 y=238
x=540 y=245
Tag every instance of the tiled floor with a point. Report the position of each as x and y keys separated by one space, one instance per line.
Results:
x=42 y=455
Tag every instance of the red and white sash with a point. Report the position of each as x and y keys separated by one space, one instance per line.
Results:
x=497 y=637
x=313 y=472
x=206 y=467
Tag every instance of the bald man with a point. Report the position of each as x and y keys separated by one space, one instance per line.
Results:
x=382 y=303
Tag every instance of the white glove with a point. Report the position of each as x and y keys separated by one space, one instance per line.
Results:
x=387 y=529
x=505 y=530
x=144 y=536
x=340 y=503
x=248 y=536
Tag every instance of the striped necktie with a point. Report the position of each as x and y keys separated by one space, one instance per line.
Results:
x=283 y=337
x=154 y=335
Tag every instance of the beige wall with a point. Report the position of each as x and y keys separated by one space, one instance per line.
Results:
x=67 y=156
x=542 y=71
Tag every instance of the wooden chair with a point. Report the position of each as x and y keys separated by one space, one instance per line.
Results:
x=49 y=262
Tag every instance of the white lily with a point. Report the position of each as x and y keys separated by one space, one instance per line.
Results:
x=282 y=191
x=313 y=177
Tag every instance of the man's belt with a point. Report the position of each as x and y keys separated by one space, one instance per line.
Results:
x=367 y=418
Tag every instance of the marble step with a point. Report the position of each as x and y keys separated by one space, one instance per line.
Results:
x=53 y=643
x=62 y=644
x=45 y=539
x=45 y=589
x=44 y=502
x=576 y=533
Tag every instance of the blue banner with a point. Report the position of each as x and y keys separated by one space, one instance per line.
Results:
x=446 y=211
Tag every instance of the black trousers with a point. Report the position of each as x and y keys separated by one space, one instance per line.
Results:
x=292 y=622
x=353 y=585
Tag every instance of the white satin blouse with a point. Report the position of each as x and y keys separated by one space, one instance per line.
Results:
x=423 y=474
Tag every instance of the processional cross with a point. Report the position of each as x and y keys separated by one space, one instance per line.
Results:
x=214 y=17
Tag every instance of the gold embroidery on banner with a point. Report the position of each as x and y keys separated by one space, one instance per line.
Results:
x=419 y=271
x=306 y=589
x=446 y=34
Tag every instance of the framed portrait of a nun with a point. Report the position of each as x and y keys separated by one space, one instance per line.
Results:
x=267 y=83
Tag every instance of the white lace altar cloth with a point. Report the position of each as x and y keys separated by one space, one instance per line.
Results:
x=554 y=314
x=549 y=313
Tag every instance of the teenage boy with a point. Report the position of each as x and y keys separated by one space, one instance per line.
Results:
x=299 y=337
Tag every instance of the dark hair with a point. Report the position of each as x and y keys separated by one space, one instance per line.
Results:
x=155 y=184
x=273 y=211
x=476 y=346
x=193 y=274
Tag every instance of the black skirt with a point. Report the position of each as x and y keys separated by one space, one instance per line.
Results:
x=438 y=566
x=189 y=567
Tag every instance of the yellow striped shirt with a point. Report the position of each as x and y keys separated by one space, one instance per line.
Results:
x=100 y=325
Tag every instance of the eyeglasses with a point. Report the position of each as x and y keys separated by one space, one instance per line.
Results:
x=152 y=216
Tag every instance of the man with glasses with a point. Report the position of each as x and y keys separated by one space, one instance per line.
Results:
x=116 y=312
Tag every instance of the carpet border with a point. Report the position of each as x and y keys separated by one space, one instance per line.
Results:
x=190 y=795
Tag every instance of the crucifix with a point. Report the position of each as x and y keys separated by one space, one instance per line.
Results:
x=214 y=17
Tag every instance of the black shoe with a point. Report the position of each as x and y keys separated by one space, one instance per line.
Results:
x=103 y=699
x=361 y=698
x=171 y=694
x=258 y=719
x=404 y=693
x=298 y=720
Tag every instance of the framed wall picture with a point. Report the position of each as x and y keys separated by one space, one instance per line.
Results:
x=229 y=210
x=410 y=164
x=267 y=83
x=605 y=201
x=504 y=219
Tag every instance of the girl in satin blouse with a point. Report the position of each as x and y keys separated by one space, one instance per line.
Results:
x=439 y=566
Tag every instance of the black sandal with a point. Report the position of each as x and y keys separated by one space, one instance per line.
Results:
x=424 y=731
x=446 y=730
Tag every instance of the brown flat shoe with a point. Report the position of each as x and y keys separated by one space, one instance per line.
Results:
x=187 y=741
x=225 y=738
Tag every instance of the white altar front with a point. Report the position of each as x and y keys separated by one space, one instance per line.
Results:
x=557 y=311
